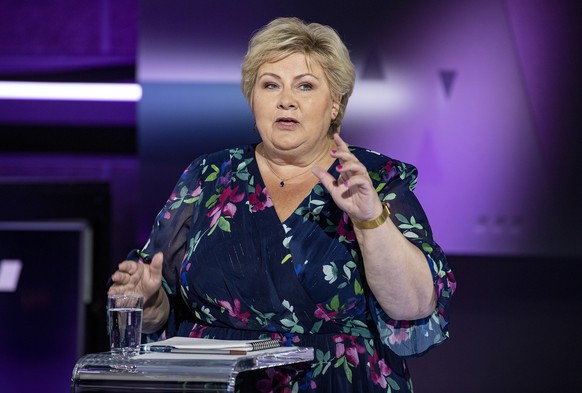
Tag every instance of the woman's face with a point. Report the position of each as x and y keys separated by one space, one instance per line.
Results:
x=292 y=105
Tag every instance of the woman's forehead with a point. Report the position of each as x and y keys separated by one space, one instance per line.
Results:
x=298 y=60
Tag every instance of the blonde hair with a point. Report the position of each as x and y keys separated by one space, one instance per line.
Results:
x=285 y=36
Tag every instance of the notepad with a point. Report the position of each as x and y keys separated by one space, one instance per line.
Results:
x=210 y=346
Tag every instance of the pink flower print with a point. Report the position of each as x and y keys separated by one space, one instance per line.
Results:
x=320 y=313
x=346 y=345
x=286 y=339
x=260 y=199
x=275 y=381
x=388 y=166
x=400 y=333
x=198 y=190
x=197 y=331
x=225 y=205
x=343 y=231
x=235 y=312
x=379 y=370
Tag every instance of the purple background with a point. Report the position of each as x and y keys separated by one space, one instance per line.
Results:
x=482 y=96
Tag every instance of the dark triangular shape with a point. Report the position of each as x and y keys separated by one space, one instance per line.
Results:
x=448 y=79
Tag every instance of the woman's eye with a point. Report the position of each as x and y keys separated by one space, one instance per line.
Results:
x=305 y=86
x=269 y=85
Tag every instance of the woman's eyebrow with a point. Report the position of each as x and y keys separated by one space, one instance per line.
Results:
x=269 y=74
x=304 y=75
x=273 y=75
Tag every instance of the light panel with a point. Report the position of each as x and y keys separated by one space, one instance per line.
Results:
x=70 y=91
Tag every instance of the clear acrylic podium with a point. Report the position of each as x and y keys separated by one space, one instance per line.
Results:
x=170 y=372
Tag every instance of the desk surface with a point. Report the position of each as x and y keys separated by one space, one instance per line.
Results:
x=172 y=372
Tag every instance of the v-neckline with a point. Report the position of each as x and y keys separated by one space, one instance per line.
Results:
x=259 y=179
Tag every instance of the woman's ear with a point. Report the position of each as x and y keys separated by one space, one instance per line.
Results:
x=334 y=110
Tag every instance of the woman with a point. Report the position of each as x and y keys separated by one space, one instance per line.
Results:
x=299 y=237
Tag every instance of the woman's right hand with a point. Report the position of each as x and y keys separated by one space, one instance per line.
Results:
x=139 y=278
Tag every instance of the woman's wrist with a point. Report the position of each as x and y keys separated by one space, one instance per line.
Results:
x=156 y=312
x=375 y=222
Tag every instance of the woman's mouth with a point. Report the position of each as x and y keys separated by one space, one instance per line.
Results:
x=287 y=121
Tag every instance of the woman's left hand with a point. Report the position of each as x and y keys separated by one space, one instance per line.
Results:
x=353 y=191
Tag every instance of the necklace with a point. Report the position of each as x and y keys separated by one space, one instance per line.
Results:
x=281 y=180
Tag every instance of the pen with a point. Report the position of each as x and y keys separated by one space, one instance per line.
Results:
x=156 y=348
x=172 y=349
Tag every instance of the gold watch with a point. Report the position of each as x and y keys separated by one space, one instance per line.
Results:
x=374 y=223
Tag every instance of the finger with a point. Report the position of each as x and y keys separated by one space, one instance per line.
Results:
x=120 y=277
x=356 y=182
x=344 y=156
x=340 y=143
x=116 y=290
x=325 y=178
x=156 y=265
x=127 y=267
x=351 y=168
x=120 y=288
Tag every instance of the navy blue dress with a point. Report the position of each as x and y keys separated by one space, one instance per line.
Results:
x=233 y=270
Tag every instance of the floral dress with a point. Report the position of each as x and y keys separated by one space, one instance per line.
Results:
x=233 y=270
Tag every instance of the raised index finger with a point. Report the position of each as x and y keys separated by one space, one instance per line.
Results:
x=339 y=142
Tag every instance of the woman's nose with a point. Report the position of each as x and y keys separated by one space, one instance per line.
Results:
x=286 y=100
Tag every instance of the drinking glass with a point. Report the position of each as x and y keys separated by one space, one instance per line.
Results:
x=124 y=315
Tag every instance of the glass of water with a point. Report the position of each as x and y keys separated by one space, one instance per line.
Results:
x=124 y=314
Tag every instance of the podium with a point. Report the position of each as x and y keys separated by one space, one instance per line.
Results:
x=171 y=372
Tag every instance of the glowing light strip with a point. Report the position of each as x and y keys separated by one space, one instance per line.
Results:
x=9 y=274
x=70 y=91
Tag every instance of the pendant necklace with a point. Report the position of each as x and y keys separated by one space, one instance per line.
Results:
x=281 y=180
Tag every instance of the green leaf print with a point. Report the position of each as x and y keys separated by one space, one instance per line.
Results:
x=318 y=190
x=375 y=176
x=224 y=224
x=348 y=371
x=286 y=241
x=427 y=248
x=410 y=235
x=191 y=199
x=347 y=272
x=175 y=204
x=392 y=383
x=335 y=303
x=214 y=175
x=358 y=290
x=244 y=176
x=212 y=200
x=322 y=362
x=316 y=326
x=183 y=192
x=263 y=318
x=242 y=166
x=292 y=325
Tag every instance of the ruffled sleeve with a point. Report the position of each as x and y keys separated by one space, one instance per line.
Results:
x=395 y=182
x=170 y=235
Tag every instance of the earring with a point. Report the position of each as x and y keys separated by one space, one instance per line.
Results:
x=333 y=114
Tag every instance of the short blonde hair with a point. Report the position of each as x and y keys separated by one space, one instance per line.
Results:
x=285 y=36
